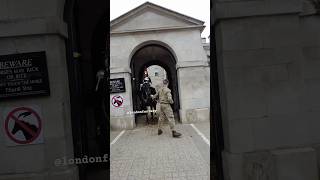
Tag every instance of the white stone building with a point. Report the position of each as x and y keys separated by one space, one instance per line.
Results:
x=267 y=62
x=153 y=35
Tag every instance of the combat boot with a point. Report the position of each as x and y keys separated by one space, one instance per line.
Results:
x=159 y=131
x=175 y=134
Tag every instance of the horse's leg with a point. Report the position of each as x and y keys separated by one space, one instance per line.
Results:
x=152 y=118
x=153 y=113
x=148 y=114
x=147 y=119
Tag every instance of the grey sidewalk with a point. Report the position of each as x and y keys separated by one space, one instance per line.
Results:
x=141 y=154
x=204 y=127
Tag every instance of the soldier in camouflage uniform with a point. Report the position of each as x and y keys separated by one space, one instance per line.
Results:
x=164 y=108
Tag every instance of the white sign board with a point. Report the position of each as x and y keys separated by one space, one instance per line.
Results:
x=22 y=125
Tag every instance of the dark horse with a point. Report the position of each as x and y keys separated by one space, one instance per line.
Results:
x=27 y=129
x=147 y=103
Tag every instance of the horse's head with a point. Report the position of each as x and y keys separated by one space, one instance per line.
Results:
x=15 y=129
x=16 y=126
x=146 y=93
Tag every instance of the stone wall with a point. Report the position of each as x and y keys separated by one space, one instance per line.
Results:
x=268 y=73
x=31 y=26
x=122 y=117
x=192 y=67
x=310 y=45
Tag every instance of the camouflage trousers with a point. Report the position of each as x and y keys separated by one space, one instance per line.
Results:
x=165 y=113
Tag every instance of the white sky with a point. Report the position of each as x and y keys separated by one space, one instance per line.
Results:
x=199 y=9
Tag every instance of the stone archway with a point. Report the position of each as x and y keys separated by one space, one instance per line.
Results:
x=154 y=54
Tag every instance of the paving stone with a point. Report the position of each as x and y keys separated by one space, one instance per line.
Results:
x=142 y=154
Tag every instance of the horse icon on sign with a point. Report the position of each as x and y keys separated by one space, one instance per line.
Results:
x=23 y=126
x=117 y=101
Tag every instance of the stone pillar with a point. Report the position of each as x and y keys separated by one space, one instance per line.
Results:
x=122 y=117
x=194 y=91
x=310 y=44
x=262 y=78
x=32 y=26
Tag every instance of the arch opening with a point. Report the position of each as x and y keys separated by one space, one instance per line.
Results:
x=151 y=55
x=156 y=74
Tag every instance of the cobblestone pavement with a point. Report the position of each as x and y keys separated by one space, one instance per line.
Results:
x=141 y=154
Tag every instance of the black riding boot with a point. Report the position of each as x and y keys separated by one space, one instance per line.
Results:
x=175 y=134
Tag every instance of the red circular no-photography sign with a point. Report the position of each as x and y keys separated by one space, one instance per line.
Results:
x=117 y=101
x=30 y=131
